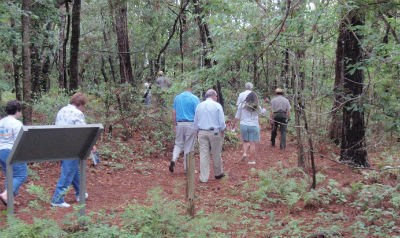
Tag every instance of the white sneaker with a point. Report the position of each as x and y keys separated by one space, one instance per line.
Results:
x=86 y=197
x=64 y=204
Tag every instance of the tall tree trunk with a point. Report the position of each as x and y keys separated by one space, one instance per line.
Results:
x=74 y=81
x=45 y=86
x=26 y=63
x=121 y=24
x=108 y=48
x=335 y=130
x=207 y=45
x=61 y=52
x=16 y=66
x=353 y=146
x=183 y=43
x=285 y=68
x=47 y=47
x=255 y=70
x=205 y=37
x=36 y=70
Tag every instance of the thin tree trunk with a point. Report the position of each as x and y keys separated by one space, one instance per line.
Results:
x=285 y=68
x=26 y=63
x=16 y=67
x=61 y=52
x=36 y=70
x=108 y=47
x=182 y=42
x=74 y=81
x=255 y=70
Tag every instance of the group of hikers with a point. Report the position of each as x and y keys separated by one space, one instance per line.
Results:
x=206 y=121
x=191 y=119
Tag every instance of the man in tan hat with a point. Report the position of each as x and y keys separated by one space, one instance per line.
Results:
x=280 y=113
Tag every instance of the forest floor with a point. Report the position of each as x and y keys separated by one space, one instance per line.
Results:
x=112 y=189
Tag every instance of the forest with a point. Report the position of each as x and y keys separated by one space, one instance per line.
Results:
x=338 y=62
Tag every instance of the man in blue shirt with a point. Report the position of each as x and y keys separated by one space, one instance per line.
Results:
x=209 y=120
x=183 y=116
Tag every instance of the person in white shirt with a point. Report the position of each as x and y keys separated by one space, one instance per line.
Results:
x=9 y=129
x=209 y=121
x=69 y=115
x=247 y=114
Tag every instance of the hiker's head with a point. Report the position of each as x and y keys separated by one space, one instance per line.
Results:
x=248 y=86
x=279 y=91
x=251 y=101
x=211 y=93
x=13 y=107
x=79 y=100
x=160 y=73
x=252 y=98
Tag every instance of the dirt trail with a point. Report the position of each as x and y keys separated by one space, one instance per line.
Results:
x=111 y=190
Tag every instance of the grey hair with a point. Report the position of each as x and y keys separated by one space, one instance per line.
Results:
x=210 y=93
x=248 y=86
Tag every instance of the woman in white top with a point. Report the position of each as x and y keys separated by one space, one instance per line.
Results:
x=9 y=129
x=247 y=114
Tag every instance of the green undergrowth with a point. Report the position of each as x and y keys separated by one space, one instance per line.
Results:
x=162 y=218
x=369 y=207
x=278 y=203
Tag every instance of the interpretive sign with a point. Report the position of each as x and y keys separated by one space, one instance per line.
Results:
x=53 y=143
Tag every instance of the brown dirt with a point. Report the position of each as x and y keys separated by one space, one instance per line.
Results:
x=111 y=190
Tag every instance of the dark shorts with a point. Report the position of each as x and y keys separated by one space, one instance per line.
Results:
x=250 y=133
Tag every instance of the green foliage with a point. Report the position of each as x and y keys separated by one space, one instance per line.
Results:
x=373 y=195
x=324 y=195
x=115 y=151
x=40 y=193
x=48 y=105
x=165 y=219
x=280 y=186
x=39 y=229
x=231 y=138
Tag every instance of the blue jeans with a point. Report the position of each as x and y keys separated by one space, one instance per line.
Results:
x=69 y=175
x=20 y=171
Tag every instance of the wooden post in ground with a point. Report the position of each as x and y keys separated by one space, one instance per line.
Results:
x=190 y=183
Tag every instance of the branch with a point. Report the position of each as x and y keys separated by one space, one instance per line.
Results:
x=261 y=6
x=282 y=24
x=390 y=28
x=171 y=34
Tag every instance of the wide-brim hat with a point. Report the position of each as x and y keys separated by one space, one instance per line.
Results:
x=279 y=90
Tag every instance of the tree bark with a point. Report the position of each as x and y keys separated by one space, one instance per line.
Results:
x=205 y=37
x=335 y=130
x=74 y=81
x=35 y=68
x=121 y=25
x=16 y=67
x=61 y=52
x=207 y=45
x=353 y=146
x=26 y=63
x=108 y=47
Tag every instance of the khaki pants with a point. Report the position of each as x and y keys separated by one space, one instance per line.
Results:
x=210 y=145
x=184 y=141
